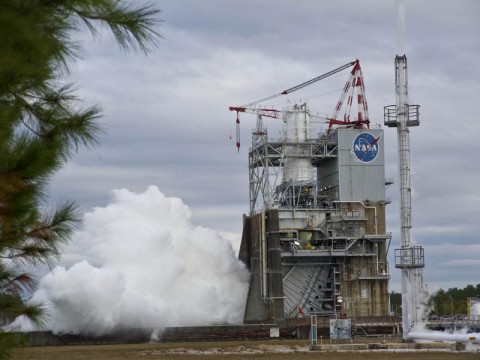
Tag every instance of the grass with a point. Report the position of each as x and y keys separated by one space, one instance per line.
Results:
x=231 y=350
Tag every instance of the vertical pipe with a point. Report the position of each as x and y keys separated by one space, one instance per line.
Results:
x=263 y=256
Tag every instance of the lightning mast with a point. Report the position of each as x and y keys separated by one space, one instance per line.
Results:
x=410 y=257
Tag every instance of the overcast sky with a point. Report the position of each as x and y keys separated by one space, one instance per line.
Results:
x=167 y=122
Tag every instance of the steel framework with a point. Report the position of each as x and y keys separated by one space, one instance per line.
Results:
x=265 y=162
x=409 y=258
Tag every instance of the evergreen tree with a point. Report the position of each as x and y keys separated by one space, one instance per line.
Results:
x=43 y=123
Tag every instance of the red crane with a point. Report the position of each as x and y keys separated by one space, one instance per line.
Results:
x=355 y=82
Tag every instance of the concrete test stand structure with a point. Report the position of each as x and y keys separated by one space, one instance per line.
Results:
x=315 y=240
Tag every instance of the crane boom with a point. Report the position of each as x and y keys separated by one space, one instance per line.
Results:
x=304 y=84
x=318 y=78
x=274 y=113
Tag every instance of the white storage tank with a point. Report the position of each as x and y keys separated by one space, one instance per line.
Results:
x=296 y=166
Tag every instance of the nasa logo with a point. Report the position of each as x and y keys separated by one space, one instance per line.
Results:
x=365 y=147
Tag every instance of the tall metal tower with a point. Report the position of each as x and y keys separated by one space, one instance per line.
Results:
x=410 y=257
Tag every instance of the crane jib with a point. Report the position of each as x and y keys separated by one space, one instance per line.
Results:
x=318 y=78
x=305 y=84
x=274 y=113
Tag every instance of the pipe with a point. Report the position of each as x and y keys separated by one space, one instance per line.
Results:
x=263 y=258
x=440 y=336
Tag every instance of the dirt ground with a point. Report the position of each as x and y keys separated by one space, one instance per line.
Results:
x=225 y=350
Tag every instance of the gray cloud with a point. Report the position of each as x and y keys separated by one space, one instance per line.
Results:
x=167 y=121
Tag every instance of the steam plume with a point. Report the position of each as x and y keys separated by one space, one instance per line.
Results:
x=400 y=5
x=139 y=262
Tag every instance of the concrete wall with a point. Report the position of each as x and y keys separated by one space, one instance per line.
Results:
x=260 y=251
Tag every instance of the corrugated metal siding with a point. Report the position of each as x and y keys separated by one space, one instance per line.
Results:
x=357 y=180
x=328 y=174
x=360 y=180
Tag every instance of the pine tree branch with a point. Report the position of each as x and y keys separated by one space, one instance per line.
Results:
x=40 y=242
x=42 y=124
x=133 y=28
x=12 y=306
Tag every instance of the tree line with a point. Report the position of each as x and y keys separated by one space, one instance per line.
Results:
x=443 y=303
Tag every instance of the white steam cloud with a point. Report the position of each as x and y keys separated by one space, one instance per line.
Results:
x=400 y=6
x=476 y=311
x=140 y=263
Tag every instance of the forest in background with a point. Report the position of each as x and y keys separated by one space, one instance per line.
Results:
x=443 y=303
